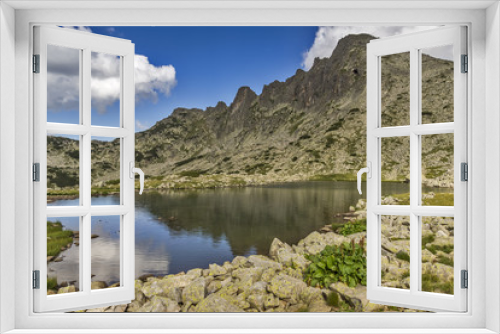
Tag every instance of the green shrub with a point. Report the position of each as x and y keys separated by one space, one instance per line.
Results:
x=192 y=173
x=345 y=263
x=402 y=255
x=333 y=299
x=51 y=283
x=353 y=227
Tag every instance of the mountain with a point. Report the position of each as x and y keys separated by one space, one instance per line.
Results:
x=312 y=125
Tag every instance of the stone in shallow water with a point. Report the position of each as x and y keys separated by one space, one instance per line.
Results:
x=215 y=303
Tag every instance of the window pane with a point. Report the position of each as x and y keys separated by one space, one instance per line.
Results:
x=437 y=84
x=63 y=168
x=63 y=255
x=395 y=170
x=395 y=86
x=105 y=89
x=63 y=85
x=105 y=170
x=437 y=254
x=395 y=252
x=105 y=249
x=437 y=169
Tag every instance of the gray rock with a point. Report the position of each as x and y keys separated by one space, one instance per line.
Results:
x=215 y=303
x=195 y=292
x=285 y=286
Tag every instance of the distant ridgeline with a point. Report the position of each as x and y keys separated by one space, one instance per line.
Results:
x=313 y=125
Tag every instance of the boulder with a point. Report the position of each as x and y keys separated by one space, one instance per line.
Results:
x=285 y=286
x=216 y=270
x=98 y=285
x=216 y=304
x=159 y=304
x=195 y=291
x=260 y=261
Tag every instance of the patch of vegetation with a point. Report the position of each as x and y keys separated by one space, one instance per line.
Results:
x=192 y=173
x=226 y=159
x=333 y=299
x=188 y=160
x=428 y=239
x=402 y=255
x=260 y=168
x=432 y=283
x=306 y=136
x=294 y=159
x=345 y=263
x=445 y=260
x=444 y=248
x=335 y=126
x=52 y=283
x=314 y=153
x=57 y=238
x=295 y=126
x=353 y=227
x=329 y=141
x=406 y=274
x=113 y=182
x=75 y=154
x=334 y=177
x=440 y=199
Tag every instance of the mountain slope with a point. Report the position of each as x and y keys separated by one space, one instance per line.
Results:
x=312 y=124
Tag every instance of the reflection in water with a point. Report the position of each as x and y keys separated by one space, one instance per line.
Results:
x=184 y=229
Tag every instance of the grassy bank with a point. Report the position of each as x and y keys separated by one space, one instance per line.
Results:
x=57 y=238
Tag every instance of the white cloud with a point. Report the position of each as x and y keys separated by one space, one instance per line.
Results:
x=63 y=78
x=141 y=126
x=327 y=38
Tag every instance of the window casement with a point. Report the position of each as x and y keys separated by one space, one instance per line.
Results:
x=412 y=134
x=481 y=100
x=78 y=47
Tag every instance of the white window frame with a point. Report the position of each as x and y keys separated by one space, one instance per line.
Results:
x=85 y=43
x=414 y=44
x=483 y=21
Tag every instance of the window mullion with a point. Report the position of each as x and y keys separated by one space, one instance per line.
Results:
x=414 y=170
x=85 y=176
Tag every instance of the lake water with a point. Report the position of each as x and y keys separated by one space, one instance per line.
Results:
x=184 y=229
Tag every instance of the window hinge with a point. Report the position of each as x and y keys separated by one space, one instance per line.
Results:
x=465 y=64
x=465 y=279
x=36 y=172
x=36 y=279
x=36 y=63
x=464 y=174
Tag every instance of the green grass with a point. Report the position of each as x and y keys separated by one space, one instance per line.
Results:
x=427 y=240
x=406 y=274
x=440 y=199
x=444 y=248
x=333 y=177
x=57 y=238
x=431 y=283
x=402 y=255
x=192 y=173
x=445 y=260
x=51 y=283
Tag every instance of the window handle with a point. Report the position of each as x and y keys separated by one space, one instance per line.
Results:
x=133 y=171
x=368 y=171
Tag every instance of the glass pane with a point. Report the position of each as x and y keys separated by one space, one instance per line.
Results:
x=437 y=254
x=437 y=169
x=105 y=248
x=63 y=85
x=105 y=86
x=437 y=84
x=395 y=170
x=105 y=171
x=63 y=169
x=395 y=86
x=63 y=255
x=395 y=252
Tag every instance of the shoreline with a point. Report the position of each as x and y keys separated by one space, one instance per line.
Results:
x=176 y=182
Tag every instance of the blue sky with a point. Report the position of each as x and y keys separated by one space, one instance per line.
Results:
x=191 y=67
x=211 y=63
